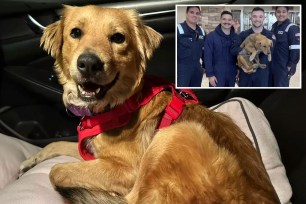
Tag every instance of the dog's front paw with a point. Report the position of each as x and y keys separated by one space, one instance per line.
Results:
x=269 y=57
x=252 y=57
x=60 y=175
x=27 y=164
x=255 y=66
x=46 y=153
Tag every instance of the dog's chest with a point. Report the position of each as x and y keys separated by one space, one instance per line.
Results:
x=117 y=143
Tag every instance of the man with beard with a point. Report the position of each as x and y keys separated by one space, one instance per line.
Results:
x=190 y=49
x=287 y=48
x=260 y=78
x=220 y=65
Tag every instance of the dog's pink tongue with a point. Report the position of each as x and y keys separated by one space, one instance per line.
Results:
x=79 y=111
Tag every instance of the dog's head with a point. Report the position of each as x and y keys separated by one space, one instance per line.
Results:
x=100 y=54
x=263 y=44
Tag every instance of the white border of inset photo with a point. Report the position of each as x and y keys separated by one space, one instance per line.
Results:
x=210 y=19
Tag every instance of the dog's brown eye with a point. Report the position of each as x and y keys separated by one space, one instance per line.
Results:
x=117 y=38
x=75 y=33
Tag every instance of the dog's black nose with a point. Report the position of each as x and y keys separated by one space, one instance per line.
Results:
x=89 y=64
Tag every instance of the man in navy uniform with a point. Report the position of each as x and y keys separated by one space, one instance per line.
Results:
x=260 y=78
x=190 y=49
x=220 y=65
x=287 y=48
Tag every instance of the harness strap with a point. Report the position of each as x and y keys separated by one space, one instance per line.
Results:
x=175 y=106
x=122 y=114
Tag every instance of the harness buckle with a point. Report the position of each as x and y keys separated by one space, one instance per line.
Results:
x=185 y=95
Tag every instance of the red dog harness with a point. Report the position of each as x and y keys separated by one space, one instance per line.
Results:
x=121 y=115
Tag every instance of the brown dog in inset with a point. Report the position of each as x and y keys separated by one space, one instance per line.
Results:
x=203 y=157
x=253 y=45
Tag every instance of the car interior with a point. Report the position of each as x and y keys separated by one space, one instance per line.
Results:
x=31 y=106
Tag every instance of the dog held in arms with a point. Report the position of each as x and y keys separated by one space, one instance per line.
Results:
x=254 y=44
x=202 y=157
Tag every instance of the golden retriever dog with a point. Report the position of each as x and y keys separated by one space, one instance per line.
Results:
x=202 y=157
x=253 y=45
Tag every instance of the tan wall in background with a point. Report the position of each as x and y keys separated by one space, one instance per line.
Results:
x=181 y=14
x=210 y=15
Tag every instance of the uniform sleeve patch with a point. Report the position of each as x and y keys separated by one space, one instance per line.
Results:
x=297 y=34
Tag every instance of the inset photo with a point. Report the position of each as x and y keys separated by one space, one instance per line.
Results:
x=238 y=46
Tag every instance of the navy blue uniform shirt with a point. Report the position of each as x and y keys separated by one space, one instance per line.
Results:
x=190 y=49
x=286 y=52
x=218 y=60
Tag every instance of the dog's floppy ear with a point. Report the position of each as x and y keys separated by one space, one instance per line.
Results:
x=52 y=39
x=271 y=43
x=147 y=38
x=150 y=40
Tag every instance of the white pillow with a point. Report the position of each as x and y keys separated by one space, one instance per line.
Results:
x=12 y=153
x=254 y=124
x=34 y=186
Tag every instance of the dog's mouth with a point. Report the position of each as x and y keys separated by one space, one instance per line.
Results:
x=90 y=91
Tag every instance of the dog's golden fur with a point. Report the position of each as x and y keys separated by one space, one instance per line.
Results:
x=254 y=44
x=202 y=158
